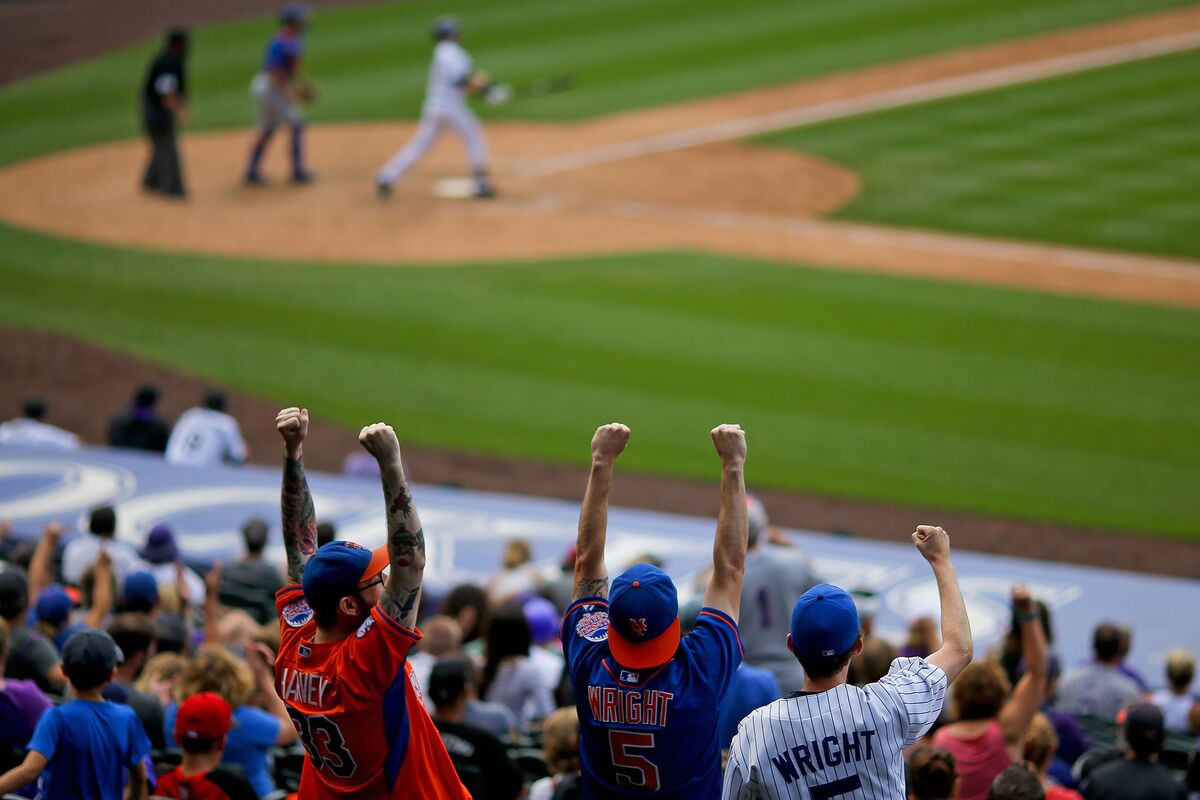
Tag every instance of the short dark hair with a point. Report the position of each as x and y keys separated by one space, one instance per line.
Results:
x=826 y=666
x=103 y=521
x=200 y=746
x=177 y=37
x=326 y=533
x=215 y=401
x=146 y=395
x=325 y=611
x=1016 y=782
x=35 y=408
x=133 y=633
x=1106 y=641
x=14 y=593
x=254 y=533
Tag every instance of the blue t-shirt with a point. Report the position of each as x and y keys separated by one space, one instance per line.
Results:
x=649 y=732
x=752 y=688
x=246 y=746
x=89 y=747
x=283 y=53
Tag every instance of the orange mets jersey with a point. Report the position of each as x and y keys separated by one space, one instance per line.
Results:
x=358 y=710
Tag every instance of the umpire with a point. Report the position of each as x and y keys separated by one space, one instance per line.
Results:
x=164 y=103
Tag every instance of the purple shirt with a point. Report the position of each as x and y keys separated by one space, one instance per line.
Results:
x=21 y=706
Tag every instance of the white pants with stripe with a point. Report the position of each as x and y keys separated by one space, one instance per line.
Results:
x=433 y=123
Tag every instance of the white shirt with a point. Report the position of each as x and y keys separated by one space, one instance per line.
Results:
x=1175 y=708
x=842 y=741
x=82 y=552
x=30 y=432
x=203 y=437
x=448 y=76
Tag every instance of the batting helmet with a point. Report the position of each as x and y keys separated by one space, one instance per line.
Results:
x=444 y=28
x=296 y=13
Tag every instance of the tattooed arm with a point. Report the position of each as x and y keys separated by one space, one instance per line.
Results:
x=406 y=539
x=299 y=518
x=591 y=573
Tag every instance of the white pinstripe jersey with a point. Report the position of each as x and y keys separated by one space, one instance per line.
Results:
x=842 y=743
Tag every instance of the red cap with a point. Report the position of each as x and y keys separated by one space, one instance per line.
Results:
x=203 y=716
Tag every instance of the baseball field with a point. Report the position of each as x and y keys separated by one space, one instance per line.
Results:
x=937 y=255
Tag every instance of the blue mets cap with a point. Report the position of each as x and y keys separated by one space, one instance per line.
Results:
x=338 y=568
x=643 y=617
x=53 y=605
x=140 y=592
x=824 y=622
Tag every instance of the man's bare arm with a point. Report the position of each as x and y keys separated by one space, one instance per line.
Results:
x=591 y=573
x=296 y=504
x=406 y=538
x=957 y=648
x=733 y=531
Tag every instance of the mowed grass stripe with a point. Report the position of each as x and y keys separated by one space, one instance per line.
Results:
x=371 y=61
x=913 y=391
x=1107 y=159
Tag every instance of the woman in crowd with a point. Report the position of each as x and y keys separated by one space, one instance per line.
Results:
x=561 y=745
x=510 y=677
x=989 y=731
x=215 y=669
x=160 y=676
x=1040 y=746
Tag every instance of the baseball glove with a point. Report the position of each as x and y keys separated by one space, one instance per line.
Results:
x=305 y=92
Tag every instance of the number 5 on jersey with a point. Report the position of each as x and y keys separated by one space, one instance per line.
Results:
x=633 y=771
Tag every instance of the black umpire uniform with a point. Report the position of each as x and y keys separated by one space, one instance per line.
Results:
x=164 y=91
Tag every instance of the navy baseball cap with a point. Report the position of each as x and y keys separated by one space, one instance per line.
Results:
x=643 y=617
x=89 y=658
x=337 y=569
x=53 y=605
x=141 y=591
x=824 y=622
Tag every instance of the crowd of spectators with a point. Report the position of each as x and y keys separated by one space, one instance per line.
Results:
x=128 y=671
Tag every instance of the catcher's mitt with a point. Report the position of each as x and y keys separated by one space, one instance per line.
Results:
x=305 y=92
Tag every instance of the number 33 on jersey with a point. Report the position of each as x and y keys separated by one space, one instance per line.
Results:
x=358 y=709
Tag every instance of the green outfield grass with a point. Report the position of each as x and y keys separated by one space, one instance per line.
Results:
x=1108 y=158
x=914 y=391
x=371 y=61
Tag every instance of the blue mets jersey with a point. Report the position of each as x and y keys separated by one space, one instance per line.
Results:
x=648 y=732
x=283 y=53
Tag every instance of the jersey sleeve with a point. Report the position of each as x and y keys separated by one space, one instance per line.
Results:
x=296 y=618
x=584 y=635
x=376 y=653
x=139 y=744
x=715 y=644
x=914 y=691
x=47 y=733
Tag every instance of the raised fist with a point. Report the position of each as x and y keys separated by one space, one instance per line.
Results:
x=932 y=542
x=609 y=441
x=730 y=441
x=380 y=441
x=292 y=424
x=1022 y=600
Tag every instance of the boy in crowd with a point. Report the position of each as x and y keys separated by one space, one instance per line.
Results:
x=201 y=725
x=87 y=747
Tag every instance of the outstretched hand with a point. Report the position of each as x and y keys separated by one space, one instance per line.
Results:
x=932 y=542
x=292 y=424
x=381 y=442
x=730 y=441
x=1022 y=600
x=609 y=441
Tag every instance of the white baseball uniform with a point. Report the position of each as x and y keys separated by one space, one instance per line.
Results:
x=844 y=742
x=445 y=106
x=32 y=433
x=203 y=437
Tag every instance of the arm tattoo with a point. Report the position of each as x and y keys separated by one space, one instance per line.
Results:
x=401 y=604
x=591 y=588
x=407 y=548
x=299 y=518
